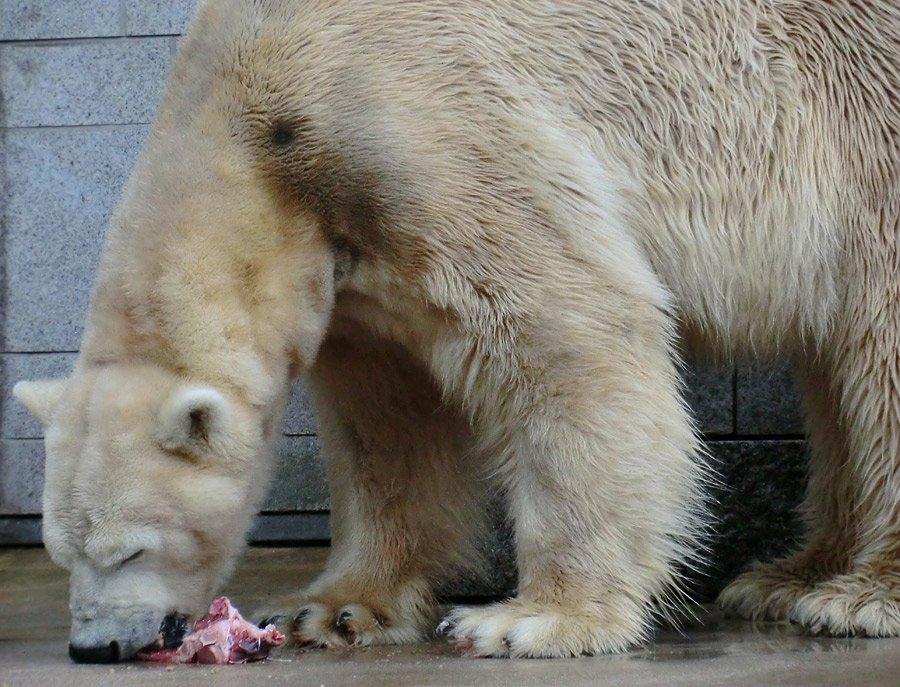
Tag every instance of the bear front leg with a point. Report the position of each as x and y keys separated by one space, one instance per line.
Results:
x=603 y=476
x=404 y=506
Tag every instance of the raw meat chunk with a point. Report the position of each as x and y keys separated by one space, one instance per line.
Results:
x=221 y=636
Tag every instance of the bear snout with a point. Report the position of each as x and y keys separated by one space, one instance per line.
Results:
x=109 y=639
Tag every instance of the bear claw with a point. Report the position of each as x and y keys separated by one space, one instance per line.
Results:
x=270 y=620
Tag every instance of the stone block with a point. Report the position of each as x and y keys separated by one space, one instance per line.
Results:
x=62 y=186
x=299 y=481
x=299 y=419
x=21 y=476
x=87 y=82
x=768 y=402
x=157 y=17
x=41 y=19
x=15 y=422
x=710 y=394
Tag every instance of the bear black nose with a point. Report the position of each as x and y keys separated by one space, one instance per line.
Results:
x=95 y=654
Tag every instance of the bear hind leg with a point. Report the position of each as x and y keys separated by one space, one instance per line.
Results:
x=864 y=597
x=770 y=591
x=847 y=581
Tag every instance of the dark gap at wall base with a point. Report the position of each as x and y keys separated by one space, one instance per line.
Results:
x=290 y=529
x=21 y=530
x=269 y=529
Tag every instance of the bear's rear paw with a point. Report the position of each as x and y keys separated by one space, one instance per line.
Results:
x=768 y=592
x=523 y=629
x=864 y=603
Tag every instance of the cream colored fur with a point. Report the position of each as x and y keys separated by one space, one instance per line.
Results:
x=484 y=229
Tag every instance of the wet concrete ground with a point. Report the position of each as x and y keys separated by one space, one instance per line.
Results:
x=34 y=626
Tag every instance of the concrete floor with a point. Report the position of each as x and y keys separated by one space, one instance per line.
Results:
x=34 y=619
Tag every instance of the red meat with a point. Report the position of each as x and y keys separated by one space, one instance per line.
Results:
x=221 y=636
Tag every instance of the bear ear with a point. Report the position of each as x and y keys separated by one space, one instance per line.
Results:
x=192 y=420
x=41 y=397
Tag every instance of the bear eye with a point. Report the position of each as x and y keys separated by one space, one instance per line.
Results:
x=132 y=558
x=281 y=134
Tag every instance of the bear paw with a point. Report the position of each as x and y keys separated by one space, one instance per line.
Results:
x=350 y=625
x=768 y=592
x=522 y=629
x=323 y=622
x=864 y=603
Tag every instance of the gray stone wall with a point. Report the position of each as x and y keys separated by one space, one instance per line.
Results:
x=79 y=81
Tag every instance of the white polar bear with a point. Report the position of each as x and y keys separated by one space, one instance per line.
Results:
x=482 y=229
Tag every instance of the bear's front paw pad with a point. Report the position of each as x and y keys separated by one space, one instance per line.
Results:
x=523 y=629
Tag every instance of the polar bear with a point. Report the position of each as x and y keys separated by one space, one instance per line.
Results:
x=485 y=231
